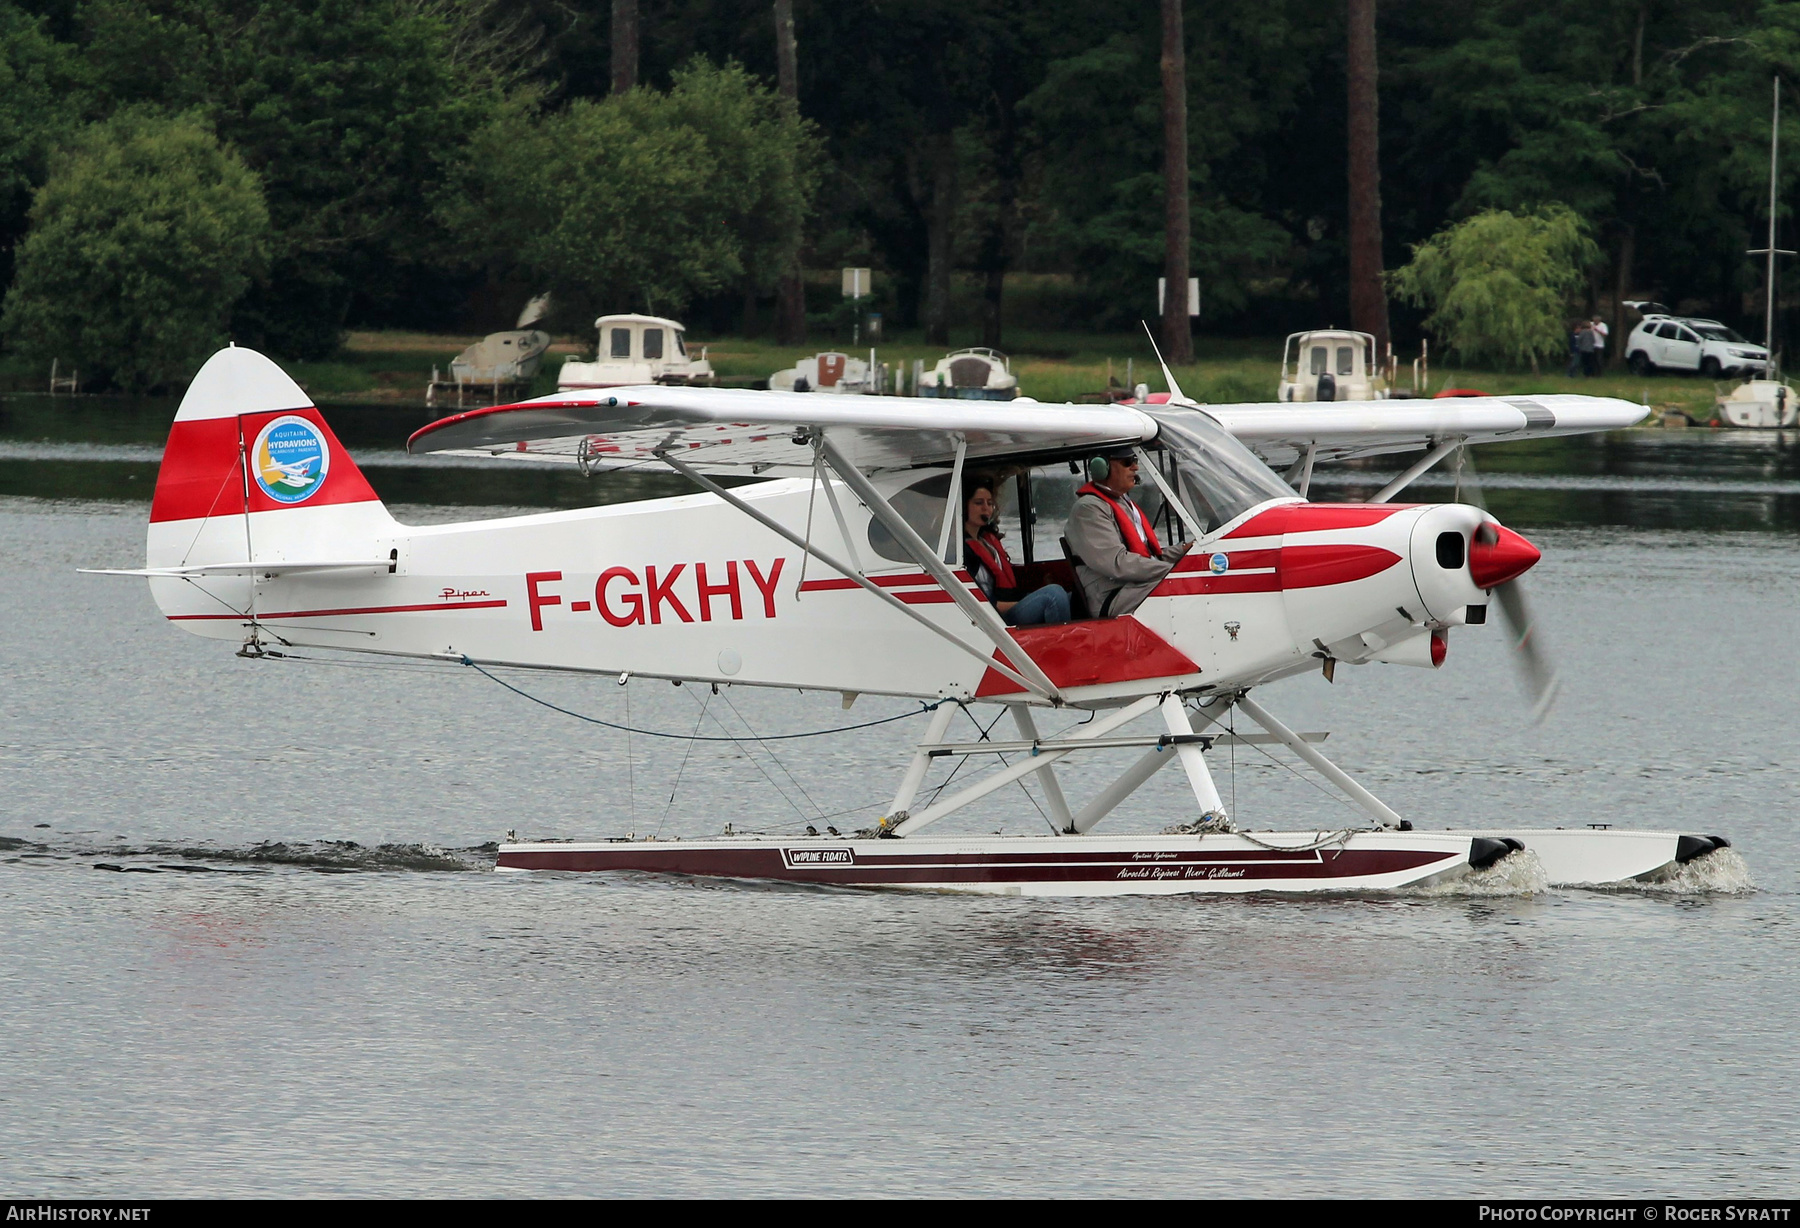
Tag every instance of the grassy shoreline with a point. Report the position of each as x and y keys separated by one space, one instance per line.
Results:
x=391 y=368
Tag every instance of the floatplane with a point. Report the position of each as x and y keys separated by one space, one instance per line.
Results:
x=839 y=570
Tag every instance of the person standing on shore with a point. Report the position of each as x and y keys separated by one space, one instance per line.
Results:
x=1585 y=341
x=1574 y=349
x=1600 y=330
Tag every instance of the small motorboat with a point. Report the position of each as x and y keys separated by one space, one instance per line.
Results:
x=975 y=374
x=830 y=371
x=499 y=362
x=637 y=349
x=1764 y=403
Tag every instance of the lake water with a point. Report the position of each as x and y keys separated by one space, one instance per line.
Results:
x=299 y=977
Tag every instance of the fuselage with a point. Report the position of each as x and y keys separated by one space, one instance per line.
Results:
x=691 y=588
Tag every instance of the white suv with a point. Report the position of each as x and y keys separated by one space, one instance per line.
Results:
x=1675 y=343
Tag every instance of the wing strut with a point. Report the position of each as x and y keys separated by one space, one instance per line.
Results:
x=847 y=571
x=981 y=614
x=1418 y=468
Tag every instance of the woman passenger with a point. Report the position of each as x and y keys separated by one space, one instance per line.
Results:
x=985 y=557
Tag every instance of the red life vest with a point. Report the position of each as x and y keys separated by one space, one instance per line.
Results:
x=1134 y=541
x=986 y=547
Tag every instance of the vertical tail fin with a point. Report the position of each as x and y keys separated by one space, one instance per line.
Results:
x=248 y=443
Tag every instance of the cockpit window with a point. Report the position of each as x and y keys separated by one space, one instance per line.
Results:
x=1346 y=362
x=921 y=505
x=1218 y=478
x=621 y=343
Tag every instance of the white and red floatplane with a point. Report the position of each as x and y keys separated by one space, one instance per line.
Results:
x=264 y=533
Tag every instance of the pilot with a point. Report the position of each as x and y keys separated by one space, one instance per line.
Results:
x=985 y=557
x=1117 y=556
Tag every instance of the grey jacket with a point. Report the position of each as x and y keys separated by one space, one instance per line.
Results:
x=1107 y=567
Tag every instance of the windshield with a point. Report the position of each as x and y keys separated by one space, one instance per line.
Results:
x=1219 y=478
x=1718 y=332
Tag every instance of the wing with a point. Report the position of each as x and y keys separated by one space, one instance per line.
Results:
x=733 y=430
x=1281 y=433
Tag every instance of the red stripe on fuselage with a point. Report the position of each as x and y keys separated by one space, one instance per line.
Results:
x=1316 y=518
x=1318 y=566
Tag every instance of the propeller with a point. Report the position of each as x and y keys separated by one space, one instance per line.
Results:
x=1498 y=550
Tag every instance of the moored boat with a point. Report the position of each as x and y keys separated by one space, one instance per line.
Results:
x=636 y=349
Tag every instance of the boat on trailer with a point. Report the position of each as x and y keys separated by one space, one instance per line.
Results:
x=838 y=535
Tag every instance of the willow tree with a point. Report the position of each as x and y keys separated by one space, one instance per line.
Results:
x=1499 y=285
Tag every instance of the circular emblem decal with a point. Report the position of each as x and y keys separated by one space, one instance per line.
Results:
x=1220 y=564
x=291 y=459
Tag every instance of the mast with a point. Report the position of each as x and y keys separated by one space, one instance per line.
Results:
x=1769 y=311
x=1771 y=251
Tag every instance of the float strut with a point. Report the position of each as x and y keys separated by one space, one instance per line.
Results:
x=1192 y=759
x=921 y=762
x=1060 y=819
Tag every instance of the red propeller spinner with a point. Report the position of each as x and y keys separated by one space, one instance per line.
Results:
x=1497 y=555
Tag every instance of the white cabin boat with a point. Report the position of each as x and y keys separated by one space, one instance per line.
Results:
x=830 y=371
x=976 y=374
x=1330 y=365
x=1765 y=403
x=637 y=349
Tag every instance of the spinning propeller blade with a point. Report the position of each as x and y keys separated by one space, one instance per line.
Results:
x=1537 y=673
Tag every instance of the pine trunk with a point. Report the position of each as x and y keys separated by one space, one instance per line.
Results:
x=790 y=291
x=624 y=45
x=1177 y=331
x=1368 y=297
x=940 y=239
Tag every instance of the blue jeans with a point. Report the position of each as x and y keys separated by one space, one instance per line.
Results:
x=1049 y=604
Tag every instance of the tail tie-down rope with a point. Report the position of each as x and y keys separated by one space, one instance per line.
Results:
x=699 y=737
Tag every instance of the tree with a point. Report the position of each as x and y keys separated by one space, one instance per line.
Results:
x=643 y=199
x=38 y=105
x=624 y=45
x=349 y=111
x=1368 y=300
x=145 y=235
x=766 y=159
x=1177 y=333
x=1498 y=284
x=1097 y=202
x=790 y=292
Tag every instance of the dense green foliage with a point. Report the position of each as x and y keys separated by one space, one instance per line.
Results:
x=428 y=163
x=1497 y=283
x=145 y=234
x=646 y=199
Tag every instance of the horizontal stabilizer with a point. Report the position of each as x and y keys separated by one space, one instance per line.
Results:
x=272 y=568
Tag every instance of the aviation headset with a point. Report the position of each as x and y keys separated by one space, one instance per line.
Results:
x=1099 y=466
